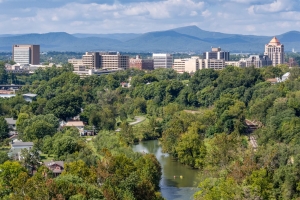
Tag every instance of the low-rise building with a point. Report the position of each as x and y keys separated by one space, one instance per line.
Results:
x=16 y=147
x=99 y=72
x=216 y=64
x=27 y=97
x=78 y=124
x=240 y=63
x=141 y=64
x=56 y=167
x=258 y=61
x=189 y=65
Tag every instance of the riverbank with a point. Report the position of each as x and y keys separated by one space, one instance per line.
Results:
x=178 y=181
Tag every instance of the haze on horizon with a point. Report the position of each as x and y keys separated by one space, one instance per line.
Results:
x=255 y=17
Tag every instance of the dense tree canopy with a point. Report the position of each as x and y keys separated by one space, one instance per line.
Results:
x=202 y=120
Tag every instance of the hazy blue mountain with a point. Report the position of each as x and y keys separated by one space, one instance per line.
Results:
x=292 y=36
x=184 y=39
x=116 y=36
x=170 y=41
x=199 y=33
x=58 y=42
x=9 y=35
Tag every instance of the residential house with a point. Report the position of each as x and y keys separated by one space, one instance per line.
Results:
x=78 y=124
x=16 y=148
x=56 y=167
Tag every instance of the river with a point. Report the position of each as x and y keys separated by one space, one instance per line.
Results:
x=180 y=187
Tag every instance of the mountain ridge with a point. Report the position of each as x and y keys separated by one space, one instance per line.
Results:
x=182 y=39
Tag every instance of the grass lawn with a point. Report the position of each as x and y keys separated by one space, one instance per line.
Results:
x=45 y=157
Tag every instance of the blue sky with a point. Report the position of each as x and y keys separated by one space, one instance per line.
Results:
x=259 y=17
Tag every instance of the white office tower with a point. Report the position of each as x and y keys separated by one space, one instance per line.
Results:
x=26 y=54
x=162 y=60
x=275 y=51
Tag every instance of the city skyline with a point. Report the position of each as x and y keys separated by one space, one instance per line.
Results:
x=272 y=17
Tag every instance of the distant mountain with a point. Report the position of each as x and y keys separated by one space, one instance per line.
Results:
x=199 y=33
x=184 y=39
x=59 y=41
x=292 y=36
x=171 y=41
x=116 y=36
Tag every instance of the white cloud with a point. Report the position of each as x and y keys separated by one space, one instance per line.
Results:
x=206 y=13
x=231 y=16
x=275 y=6
x=193 y=13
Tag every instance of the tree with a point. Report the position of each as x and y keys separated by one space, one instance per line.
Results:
x=3 y=129
x=190 y=148
x=218 y=188
x=3 y=157
x=127 y=133
x=31 y=159
x=38 y=127
x=80 y=169
x=149 y=169
x=3 y=74
x=65 y=145
x=64 y=106
x=259 y=184
x=202 y=79
x=9 y=171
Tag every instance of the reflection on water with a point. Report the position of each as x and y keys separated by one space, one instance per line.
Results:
x=178 y=181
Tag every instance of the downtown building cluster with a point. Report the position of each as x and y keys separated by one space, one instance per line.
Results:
x=218 y=59
x=214 y=59
x=108 y=62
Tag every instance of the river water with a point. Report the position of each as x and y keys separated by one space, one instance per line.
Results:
x=178 y=181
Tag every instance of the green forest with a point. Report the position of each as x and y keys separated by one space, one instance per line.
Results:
x=200 y=119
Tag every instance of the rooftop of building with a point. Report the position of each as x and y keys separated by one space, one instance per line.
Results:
x=74 y=123
x=274 y=41
x=10 y=120
x=50 y=163
x=17 y=144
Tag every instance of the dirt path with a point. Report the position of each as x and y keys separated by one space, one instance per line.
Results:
x=251 y=128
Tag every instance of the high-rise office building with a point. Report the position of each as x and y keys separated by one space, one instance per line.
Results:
x=217 y=53
x=162 y=60
x=114 y=60
x=26 y=54
x=91 y=60
x=104 y=60
x=275 y=51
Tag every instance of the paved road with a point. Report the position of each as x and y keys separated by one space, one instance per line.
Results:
x=138 y=119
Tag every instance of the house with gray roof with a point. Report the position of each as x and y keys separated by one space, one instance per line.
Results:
x=16 y=148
